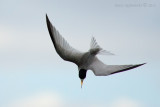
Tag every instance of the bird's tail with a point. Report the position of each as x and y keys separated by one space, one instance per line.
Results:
x=96 y=49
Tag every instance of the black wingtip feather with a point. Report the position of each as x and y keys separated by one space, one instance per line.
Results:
x=47 y=18
x=49 y=26
x=135 y=66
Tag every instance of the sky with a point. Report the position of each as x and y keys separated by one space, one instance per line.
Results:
x=33 y=75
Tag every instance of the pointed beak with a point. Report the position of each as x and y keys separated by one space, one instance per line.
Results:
x=81 y=82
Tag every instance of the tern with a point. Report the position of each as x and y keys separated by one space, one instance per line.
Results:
x=85 y=60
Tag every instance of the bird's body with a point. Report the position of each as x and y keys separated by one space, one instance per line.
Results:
x=85 y=60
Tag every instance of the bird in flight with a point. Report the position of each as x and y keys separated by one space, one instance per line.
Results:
x=84 y=60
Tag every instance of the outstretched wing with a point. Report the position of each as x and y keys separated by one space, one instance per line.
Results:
x=101 y=69
x=64 y=50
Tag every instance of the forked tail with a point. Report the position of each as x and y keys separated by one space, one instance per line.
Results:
x=96 y=49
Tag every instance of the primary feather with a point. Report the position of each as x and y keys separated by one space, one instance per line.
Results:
x=101 y=69
x=64 y=50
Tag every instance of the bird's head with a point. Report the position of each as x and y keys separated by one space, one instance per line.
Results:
x=82 y=75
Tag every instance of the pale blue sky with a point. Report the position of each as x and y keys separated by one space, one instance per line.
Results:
x=31 y=71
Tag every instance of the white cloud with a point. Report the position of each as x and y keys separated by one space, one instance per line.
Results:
x=125 y=102
x=43 y=99
x=50 y=99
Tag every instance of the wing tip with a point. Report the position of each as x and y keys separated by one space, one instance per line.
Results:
x=135 y=66
x=49 y=24
x=47 y=19
x=141 y=64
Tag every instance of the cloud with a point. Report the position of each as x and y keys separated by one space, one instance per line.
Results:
x=43 y=99
x=52 y=99
x=125 y=102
